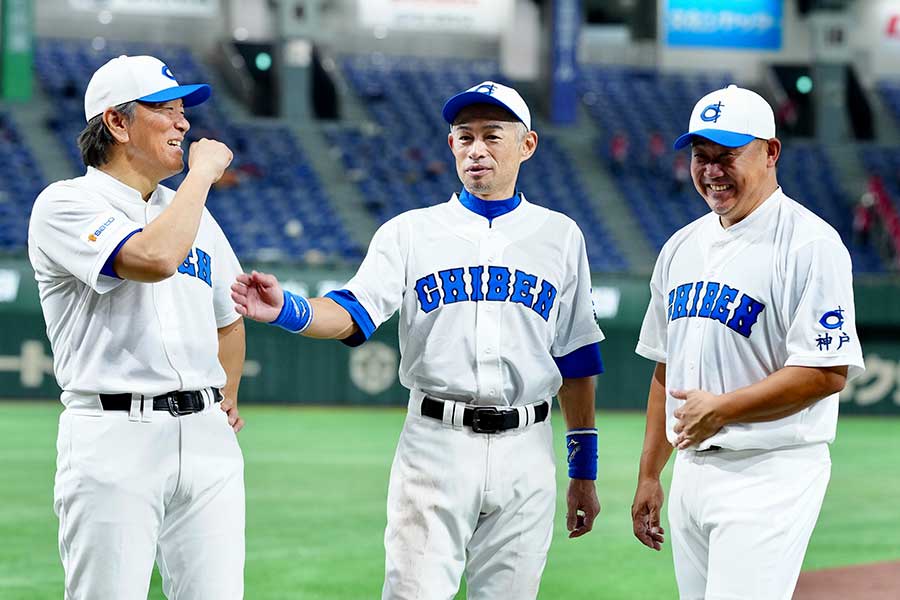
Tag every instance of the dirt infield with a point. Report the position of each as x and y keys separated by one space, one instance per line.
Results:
x=880 y=581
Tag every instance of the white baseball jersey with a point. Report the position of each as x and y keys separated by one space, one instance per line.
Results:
x=490 y=343
x=114 y=336
x=731 y=306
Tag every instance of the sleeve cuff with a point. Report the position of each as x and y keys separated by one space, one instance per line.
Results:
x=583 y=362
x=347 y=300
x=650 y=353
x=108 y=268
x=855 y=366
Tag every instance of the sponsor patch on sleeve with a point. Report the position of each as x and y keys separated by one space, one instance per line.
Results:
x=97 y=228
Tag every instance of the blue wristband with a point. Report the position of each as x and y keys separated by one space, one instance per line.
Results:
x=581 y=445
x=295 y=315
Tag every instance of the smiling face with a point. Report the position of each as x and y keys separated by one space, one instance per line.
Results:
x=734 y=181
x=155 y=137
x=489 y=144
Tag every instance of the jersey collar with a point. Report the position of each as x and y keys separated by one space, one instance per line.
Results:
x=489 y=209
x=121 y=190
x=754 y=222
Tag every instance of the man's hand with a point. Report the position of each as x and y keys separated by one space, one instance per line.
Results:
x=210 y=158
x=648 y=501
x=257 y=296
x=698 y=417
x=229 y=405
x=583 y=507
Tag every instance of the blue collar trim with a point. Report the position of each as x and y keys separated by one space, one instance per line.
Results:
x=489 y=209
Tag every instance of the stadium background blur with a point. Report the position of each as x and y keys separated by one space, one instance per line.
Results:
x=332 y=109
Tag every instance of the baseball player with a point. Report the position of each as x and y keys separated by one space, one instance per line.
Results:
x=495 y=319
x=134 y=284
x=752 y=326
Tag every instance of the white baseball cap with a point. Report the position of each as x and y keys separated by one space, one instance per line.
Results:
x=488 y=92
x=143 y=78
x=730 y=117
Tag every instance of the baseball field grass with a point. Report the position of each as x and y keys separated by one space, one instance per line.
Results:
x=316 y=484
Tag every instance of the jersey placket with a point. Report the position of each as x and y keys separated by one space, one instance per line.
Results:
x=489 y=315
x=698 y=329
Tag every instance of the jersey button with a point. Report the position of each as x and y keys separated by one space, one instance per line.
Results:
x=487 y=350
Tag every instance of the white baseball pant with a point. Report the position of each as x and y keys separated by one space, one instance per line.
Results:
x=130 y=490
x=464 y=501
x=740 y=520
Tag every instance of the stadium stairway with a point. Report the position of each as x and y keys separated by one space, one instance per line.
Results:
x=579 y=142
x=32 y=117
x=327 y=162
x=310 y=139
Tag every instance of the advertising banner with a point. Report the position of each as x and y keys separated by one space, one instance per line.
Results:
x=462 y=16
x=739 y=24
x=162 y=8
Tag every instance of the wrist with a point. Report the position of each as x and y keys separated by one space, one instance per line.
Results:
x=296 y=313
x=723 y=410
x=581 y=447
x=202 y=175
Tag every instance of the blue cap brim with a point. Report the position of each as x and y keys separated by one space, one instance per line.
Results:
x=723 y=138
x=464 y=99
x=191 y=94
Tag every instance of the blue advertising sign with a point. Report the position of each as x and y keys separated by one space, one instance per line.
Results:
x=742 y=24
x=564 y=61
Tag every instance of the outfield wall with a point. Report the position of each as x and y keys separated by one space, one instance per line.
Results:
x=282 y=368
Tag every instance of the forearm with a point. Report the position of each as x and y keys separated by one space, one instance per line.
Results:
x=657 y=449
x=329 y=321
x=783 y=393
x=232 y=349
x=576 y=400
x=156 y=252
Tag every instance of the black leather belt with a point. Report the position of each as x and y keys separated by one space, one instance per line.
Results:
x=177 y=403
x=485 y=419
x=711 y=449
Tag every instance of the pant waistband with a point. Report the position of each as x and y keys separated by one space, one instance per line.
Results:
x=177 y=403
x=484 y=419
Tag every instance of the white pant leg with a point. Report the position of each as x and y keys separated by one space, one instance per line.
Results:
x=201 y=543
x=434 y=499
x=111 y=481
x=761 y=512
x=690 y=543
x=508 y=549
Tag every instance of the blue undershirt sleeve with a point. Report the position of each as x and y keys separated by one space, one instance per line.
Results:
x=360 y=316
x=108 y=267
x=583 y=362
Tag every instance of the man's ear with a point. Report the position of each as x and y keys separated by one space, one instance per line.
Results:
x=529 y=145
x=117 y=125
x=773 y=151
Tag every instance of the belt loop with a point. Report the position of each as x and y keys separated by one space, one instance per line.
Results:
x=137 y=405
x=449 y=408
x=532 y=415
x=459 y=414
x=146 y=409
x=526 y=415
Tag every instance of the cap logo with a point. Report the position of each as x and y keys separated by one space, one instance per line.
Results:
x=711 y=113
x=487 y=89
x=167 y=72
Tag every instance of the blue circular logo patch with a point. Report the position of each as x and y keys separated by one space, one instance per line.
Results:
x=833 y=319
x=711 y=113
